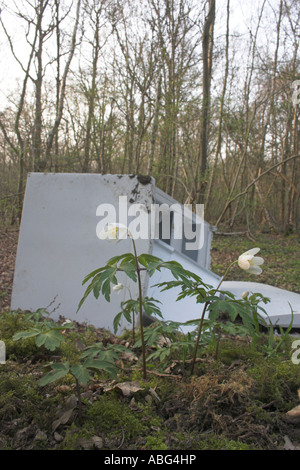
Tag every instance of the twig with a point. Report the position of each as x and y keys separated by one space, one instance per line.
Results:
x=263 y=407
x=227 y=234
x=123 y=437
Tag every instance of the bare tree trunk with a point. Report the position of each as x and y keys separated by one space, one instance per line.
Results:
x=38 y=165
x=155 y=125
x=20 y=151
x=57 y=20
x=207 y=47
x=220 y=123
x=60 y=108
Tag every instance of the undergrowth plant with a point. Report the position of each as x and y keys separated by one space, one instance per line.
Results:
x=214 y=301
x=95 y=358
x=132 y=264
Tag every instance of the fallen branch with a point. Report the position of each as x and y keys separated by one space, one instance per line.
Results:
x=226 y=234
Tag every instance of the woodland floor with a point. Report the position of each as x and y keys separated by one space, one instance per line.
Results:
x=237 y=399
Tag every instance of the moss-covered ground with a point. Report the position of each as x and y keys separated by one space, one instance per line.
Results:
x=237 y=398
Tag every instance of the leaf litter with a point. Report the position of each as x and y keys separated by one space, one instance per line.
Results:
x=222 y=406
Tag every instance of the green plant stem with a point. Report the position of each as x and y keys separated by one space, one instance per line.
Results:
x=79 y=401
x=226 y=272
x=138 y=270
x=202 y=318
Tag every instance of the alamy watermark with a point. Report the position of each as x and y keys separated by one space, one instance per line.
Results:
x=296 y=94
x=296 y=353
x=156 y=221
x=2 y=352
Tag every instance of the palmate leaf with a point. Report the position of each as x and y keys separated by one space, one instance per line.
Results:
x=92 y=274
x=150 y=262
x=175 y=268
x=161 y=354
x=96 y=284
x=46 y=336
x=26 y=334
x=92 y=351
x=117 y=321
x=102 y=278
x=127 y=313
x=150 y=307
x=109 y=354
x=115 y=259
x=99 y=364
x=87 y=292
x=58 y=371
x=129 y=267
x=218 y=306
x=146 y=260
x=51 y=339
x=81 y=373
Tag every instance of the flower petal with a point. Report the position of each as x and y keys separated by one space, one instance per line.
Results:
x=114 y=232
x=118 y=287
x=251 y=252
x=257 y=260
x=244 y=262
x=255 y=270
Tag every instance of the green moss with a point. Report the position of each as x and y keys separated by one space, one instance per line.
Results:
x=74 y=436
x=156 y=442
x=195 y=441
x=111 y=416
x=11 y=323
x=222 y=443
x=20 y=395
x=276 y=381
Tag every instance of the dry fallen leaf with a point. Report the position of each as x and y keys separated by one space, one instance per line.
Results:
x=65 y=418
x=129 y=388
x=288 y=445
x=293 y=416
x=63 y=389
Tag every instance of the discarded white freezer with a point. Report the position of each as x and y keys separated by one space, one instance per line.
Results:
x=58 y=245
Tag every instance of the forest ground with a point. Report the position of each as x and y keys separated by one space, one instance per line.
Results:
x=237 y=399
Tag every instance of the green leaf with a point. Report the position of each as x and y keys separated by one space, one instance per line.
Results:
x=150 y=307
x=117 y=321
x=81 y=373
x=115 y=259
x=50 y=339
x=87 y=292
x=108 y=355
x=130 y=269
x=99 y=364
x=92 y=274
x=26 y=334
x=145 y=259
x=58 y=371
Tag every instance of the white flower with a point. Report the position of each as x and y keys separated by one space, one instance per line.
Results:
x=249 y=262
x=245 y=294
x=114 y=232
x=118 y=287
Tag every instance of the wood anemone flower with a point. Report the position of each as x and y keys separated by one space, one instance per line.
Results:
x=118 y=287
x=114 y=232
x=249 y=262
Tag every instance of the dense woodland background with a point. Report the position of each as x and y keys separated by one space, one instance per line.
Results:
x=188 y=91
